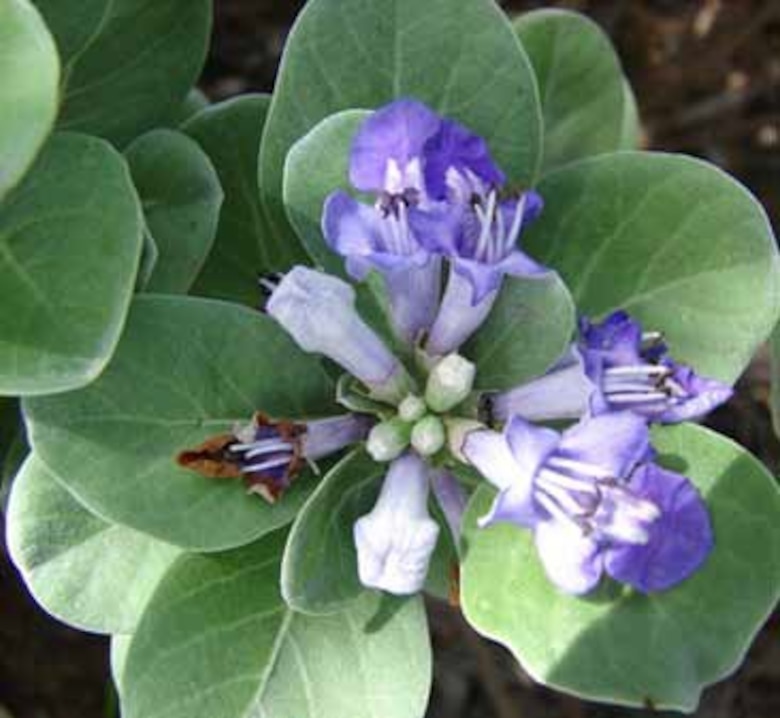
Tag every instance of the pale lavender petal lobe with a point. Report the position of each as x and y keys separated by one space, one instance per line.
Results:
x=396 y=540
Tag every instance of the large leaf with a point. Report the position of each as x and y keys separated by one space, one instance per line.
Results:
x=621 y=646
x=91 y=574
x=128 y=63
x=70 y=240
x=230 y=134
x=186 y=369
x=217 y=641
x=319 y=572
x=29 y=88
x=671 y=239
x=529 y=327
x=774 y=401
x=580 y=84
x=181 y=197
x=459 y=56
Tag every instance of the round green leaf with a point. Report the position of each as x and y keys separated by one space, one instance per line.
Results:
x=620 y=646
x=91 y=574
x=128 y=63
x=186 y=369
x=580 y=84
x=631 y=127
x=317 y=165
x=319 y=571
x=217 y=641
x=181 y=197
x=29 y=88
x=672 y=240
x=70 y=241
x=230 y=134
x=120 y=646
x=529 y=327
x=461 y=57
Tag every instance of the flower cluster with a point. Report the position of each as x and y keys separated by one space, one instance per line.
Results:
x=443 y=234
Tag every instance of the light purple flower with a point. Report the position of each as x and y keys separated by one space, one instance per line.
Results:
x=614 y=367
x=395 y=541
x=451 y=499
x=318 y=311
x=594 y=502
x=631 y=370
x=388 y=158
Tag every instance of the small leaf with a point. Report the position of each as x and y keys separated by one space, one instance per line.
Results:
x=529 y=328
x=217 y=641
x=181 y=197
x=70 y=241
x=580 y=84
x=230 y=133
x=461 y=57
x=128 y=63
x=86 y=572
x=185 y=370
x=670 y=239
x=316 y=166
x=319 y=571
x=29 y=88
x=621 y=646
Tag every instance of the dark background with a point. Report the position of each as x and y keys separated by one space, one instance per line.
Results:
x=707 y=78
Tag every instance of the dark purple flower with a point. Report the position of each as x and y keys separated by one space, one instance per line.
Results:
x=594 y=502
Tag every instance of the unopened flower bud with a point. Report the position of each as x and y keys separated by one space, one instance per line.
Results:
x=388 y=440
x=449 y=383
x=428 y=436
x=412 y=408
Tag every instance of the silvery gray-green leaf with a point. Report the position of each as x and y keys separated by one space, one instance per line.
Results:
x=319 y=571
x=186 y=369
x=181 y=197
x=580 y=84
x=88 y=573
x=528 y=329
x=217 y=641
x=29 y=88
x=618 y=645
x=672 y=240
x=128 y=64
x=229 y=133
x=70 y=242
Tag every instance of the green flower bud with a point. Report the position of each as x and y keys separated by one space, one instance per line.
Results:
x=388 y=440
x=449 y=383
x=428 y=436
x=412 y=408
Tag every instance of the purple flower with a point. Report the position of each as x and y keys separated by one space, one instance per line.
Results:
x=388 y=159
x=269 y=454
x=474 y=229
x=614 y=367
x=318 y=311
x=396 y=539
x=631 y=370
x=594 y=502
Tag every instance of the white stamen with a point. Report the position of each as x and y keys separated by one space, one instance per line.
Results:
x=270 y=464
x=511 y=239
x=649 y=397
x=638 y=370
x=579 y=467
